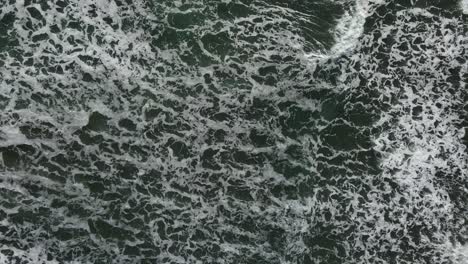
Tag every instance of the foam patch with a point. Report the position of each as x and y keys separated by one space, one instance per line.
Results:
x=238 y=131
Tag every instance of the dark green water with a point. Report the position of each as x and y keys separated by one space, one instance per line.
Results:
x=233 y=132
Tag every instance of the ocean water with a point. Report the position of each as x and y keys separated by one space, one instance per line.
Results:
x=233 y=131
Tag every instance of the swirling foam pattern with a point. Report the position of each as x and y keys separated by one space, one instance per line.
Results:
x=233 y=131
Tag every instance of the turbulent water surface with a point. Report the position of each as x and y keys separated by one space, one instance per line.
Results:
x=233 y=131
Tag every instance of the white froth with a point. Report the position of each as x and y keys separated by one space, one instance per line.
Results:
x=297 y=217
x=350 y=27
x=10 y=136
x=464 y=6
